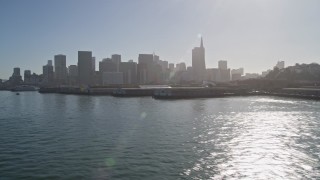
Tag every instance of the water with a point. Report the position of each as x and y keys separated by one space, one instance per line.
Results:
x=52 y=136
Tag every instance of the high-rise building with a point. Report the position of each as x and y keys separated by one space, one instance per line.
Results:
x=198 y=62
x=27 y=76
x=251 y=76
x=107 y=65
x=85 y=67
x=142 y=73
x=156 y=58
x=164 y=74
x=73 y=71
x=213 y=74
x=60 y=68
x=73 y=74
x=145 y=68
x=50 y=63
x=164 y=65
x=265 y=73
x=280 y=64
x=225 y=75
x=93 y=64
x=129 y=70
x=236 y=74
x=237 y=71
x=171 y=66
x=189 y=73
x=116 y=58
x=112 y=78
x=16 y=71
x=181 y=66
x=16 y=78
x=224 y=72
x=145 y=58
x=47 y=72
x=223 y=64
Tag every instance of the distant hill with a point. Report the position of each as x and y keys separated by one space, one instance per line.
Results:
x=299 y=72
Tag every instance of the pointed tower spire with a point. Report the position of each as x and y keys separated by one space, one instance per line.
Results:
x=201 y=45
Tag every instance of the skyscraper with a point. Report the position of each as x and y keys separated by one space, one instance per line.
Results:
x=129 y=70
x=280 y=64
x=223 y=64
x=198 y=62
x=116 y=58
x=73 y=74
x=171 y=66
x=27 y=76
x=60 y=68
x=93 y=64
x=107 y=65
x=181 y=66
x=145 y=66
x=49 y=63
x=73 y=71
x=16 y=71
x=85 y=67
x=47 y=71
x=224 y=71
x=16 y=78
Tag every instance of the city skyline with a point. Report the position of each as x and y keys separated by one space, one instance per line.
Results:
x=250 y=34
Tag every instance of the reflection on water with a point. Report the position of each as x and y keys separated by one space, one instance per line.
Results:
x=57 y=136
x=259 y=143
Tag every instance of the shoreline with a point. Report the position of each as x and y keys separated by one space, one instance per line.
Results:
x=183 y=93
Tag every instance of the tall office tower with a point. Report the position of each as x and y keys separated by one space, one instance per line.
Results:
x=27 y=76
x=236 y=74
x=116 y=58
x=171 y=66
x=145 y=68
x=198 y=62
x=85 y=67
x=223 y=64
x=156 y=58
x=224 y=71
x=73 y=74
x=16 y=78
x=142 y=73
x=73 y=71
x=181 y=66
x=189 y=73
x=50 y=63
x=280 y=64
x=129 y=70
x=47 y=71
x=112 y=78
x=214 y=74
x=93 y=64
x=16 y=71
x=164 y=65
x=107 y=65
x=60 y=68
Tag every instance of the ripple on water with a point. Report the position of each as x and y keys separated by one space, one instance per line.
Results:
x=258 y=145
x=84 y=137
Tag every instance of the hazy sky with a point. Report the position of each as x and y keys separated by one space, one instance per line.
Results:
x=253 y=34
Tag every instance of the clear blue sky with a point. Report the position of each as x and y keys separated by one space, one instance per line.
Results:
x=253 y=34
